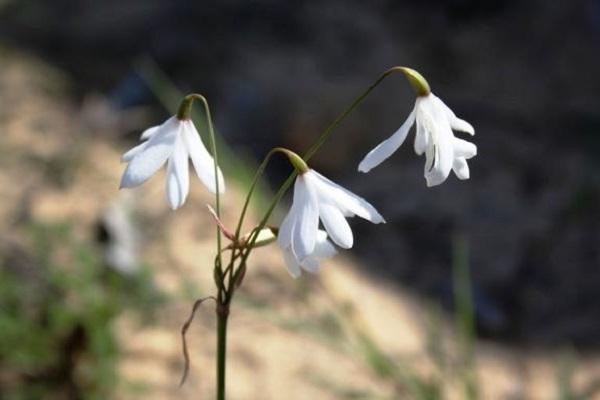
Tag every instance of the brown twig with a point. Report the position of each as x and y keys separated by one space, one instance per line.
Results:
x=184 y=330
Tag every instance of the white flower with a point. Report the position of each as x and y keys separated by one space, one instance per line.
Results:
x=172 y=142
x=434 y=137
x=316 y=197
x=323 y=249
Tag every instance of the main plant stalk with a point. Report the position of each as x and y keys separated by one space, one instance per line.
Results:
x=222 y=317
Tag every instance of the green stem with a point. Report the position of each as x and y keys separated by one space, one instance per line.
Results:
x=238 y=229
x=325 y=135
x=313 y=149
x=183 y=113
x=465 y=317
x=222 y=316
x=257 y=176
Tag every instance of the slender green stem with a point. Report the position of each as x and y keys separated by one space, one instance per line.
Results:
x=259 y=172
x=465 y=317
x=223 y=293
x=238 y=229
x=184 y=113
x=257 y=176
x=229 y=271
x=222 y=317
x=327 y=132
x=311 y=152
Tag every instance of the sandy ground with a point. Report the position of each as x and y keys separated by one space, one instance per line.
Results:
x=289 y=339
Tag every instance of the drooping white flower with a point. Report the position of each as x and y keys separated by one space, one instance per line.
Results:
x=316 y=197
x=434 y=137
x=173 y=142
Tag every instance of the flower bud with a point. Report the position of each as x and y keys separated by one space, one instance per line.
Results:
x=265 y=237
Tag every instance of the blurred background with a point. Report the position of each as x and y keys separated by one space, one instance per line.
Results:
x=486 y=288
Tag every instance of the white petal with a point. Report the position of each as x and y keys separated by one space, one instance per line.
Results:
x=462 y=126
x=461 y=168
x=323 y=247
x=346 y=201
x=201 y=159
x=148 y=133
x=425 y=114
x=305 y=229
x=465 y=149
x=128 y=156
x=438 y=169
x=284 y=236
x=291 y=263
x=336 y=225
x=456 y=123
x=146 y=162
x=387 y=147
x=178 y=181
x=421 y=138
x=311 y=264
x=430 y=157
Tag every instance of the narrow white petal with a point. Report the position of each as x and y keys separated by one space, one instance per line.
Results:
x=421 y=138
x=307 y=219
x=336 y=225
x=455 y=123
x=442 y=165
x=346 y=201
x=201 y=159
x=465 y=149
x=311 y=264
x=291 y=263
x=323 y=247
x=284 y=236
x=128 y=156
x=148 y=133
x=461 y=168
x=462 y=126
x=425 y=114
x=443 y=147
x=387 y=147
x=147 y=161
x=430 y=157
x=178 y=181
x=172 y=186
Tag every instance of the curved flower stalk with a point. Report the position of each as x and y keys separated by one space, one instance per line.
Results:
x=317 y=198
x=173 y=142
x=434 y=122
